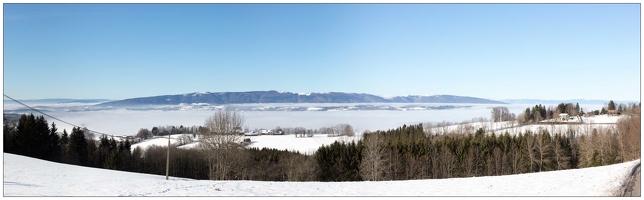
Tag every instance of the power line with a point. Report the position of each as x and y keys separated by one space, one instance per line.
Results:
x=52 y=116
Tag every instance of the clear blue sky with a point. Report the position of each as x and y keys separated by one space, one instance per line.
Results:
x=494 y=51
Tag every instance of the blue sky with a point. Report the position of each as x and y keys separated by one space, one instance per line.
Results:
x=494 y=51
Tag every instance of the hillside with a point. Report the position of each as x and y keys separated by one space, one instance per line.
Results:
x=289 y=97
x=304 y=145
x=543 y=101
x=24 y=176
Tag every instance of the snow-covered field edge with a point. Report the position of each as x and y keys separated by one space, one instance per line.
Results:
x=24 y=176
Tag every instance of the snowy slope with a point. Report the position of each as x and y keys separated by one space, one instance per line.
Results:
x=590 y=123
x=308 y=145
x=25 y=176
x=304 y=145
x=160 y=141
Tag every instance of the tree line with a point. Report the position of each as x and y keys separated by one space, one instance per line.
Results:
x=408 y=152
x=33 y=137
x=540 y=112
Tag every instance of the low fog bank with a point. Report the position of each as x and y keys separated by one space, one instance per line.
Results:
x=119 y=121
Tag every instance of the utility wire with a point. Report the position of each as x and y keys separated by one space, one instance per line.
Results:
x=53 y=116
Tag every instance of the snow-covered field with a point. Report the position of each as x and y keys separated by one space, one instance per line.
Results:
x=305 y=145
x=162 y=141
x=24 y=176
x=590 y=123
x=308 y=145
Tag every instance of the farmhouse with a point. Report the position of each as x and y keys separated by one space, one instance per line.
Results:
x=251 y=133
x=265 y=132
x=564 y=116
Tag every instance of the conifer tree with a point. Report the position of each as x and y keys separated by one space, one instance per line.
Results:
x=8 y=137
x=78 y=147
x=54 y=143
x=611 y=105
x=24 y=131
x=32 y=137
x=64 y=147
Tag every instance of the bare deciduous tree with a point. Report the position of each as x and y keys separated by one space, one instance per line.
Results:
x=561 y=159
x=144 y=133
x=543 y=146
x=497 y=154
x=374 y=157
x=500 y=114
x=629 y=134
x=299 y=131
x=184 y=139
x=347 y=130
x=221 y=142
x=428 y=128
x=447 y=162
x=530 y=149
x=469 y=165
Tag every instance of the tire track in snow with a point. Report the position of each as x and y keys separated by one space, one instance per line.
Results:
x=633 y=182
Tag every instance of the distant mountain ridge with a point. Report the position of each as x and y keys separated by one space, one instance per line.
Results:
x=61 y=100
x=290 y=97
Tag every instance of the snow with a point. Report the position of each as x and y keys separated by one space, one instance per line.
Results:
x=304 y=145
x=189 y=146
x=590 y=123
x=308 y=145
x=313 y=109
x=24 y=176
x=601 y=119
x=159 y=141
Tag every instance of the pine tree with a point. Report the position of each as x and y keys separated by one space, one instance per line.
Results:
x=103 y=151
x=24 y=131
x=611 y=105
x=78 y=147
x=32 y=137
x=112 y=161
x=64 y=147
x=41 y=141
x=92 y=152
x=54 y=143
x=8 y=136
x=527 y=115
